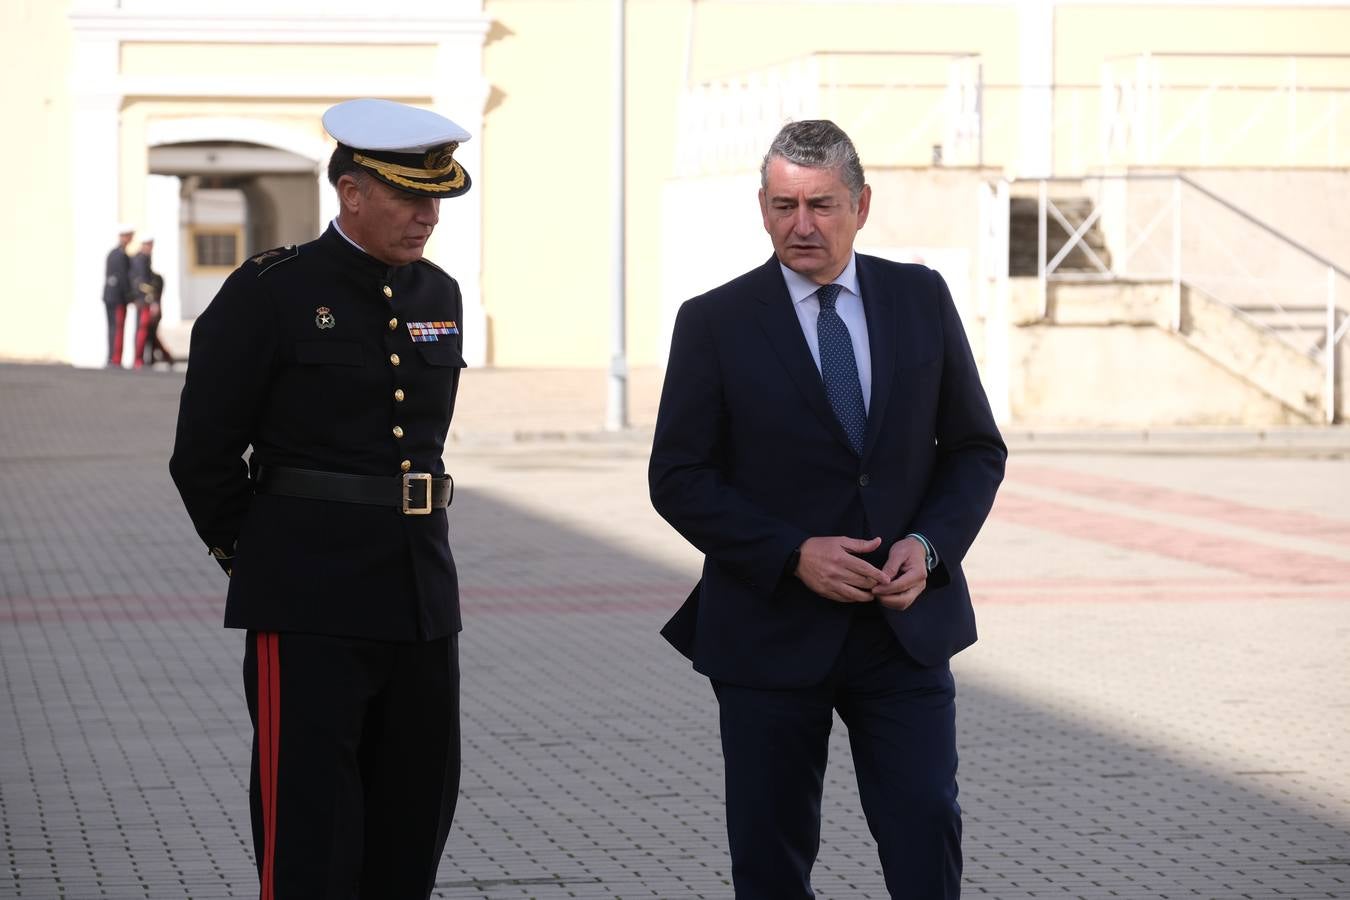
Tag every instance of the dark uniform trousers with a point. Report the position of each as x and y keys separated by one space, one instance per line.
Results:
x=116 y=297
x=368 y=756
x=322 y=358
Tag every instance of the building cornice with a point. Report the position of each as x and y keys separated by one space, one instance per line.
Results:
x=252 y=28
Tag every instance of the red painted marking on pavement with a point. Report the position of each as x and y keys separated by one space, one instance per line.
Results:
x=584 y=589
x=1189 y=503
x=601 y=599
x=1081 y=598
x=1260 y=561
x=1089 y=584
x=111 y=608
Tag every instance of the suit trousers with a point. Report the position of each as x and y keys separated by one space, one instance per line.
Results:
x=901 y=720
x=355 y=763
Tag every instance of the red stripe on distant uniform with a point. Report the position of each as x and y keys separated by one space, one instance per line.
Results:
x=269 y=734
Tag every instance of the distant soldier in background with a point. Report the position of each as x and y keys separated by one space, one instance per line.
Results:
x=148 y=287
x=117 y=292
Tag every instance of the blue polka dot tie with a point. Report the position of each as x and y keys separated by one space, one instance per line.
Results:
x=839 y=369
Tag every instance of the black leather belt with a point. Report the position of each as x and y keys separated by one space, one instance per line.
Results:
x=413 y=493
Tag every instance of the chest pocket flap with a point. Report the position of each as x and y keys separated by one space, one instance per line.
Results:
x=435 y=353
x=328 y=353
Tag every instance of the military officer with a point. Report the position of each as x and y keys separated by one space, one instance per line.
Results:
x=336 y=363
x=117 y=291
x=147 y=286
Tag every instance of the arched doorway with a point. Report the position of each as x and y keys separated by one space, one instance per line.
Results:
x=219 y=202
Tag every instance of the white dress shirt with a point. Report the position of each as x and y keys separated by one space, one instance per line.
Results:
x=848 y=304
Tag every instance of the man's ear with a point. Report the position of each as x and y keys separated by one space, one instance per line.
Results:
x=864 y=204
x=349 y=193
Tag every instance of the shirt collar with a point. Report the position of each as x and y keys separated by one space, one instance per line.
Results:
x=339 y=230
x=800 y=287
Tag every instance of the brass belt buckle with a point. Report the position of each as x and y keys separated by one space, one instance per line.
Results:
x=408 y=479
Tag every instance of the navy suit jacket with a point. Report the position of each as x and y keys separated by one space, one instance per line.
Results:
x=748 y=461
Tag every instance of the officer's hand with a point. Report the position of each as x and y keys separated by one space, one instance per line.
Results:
x=904 y=576
x=226 y=560
x=830 y=567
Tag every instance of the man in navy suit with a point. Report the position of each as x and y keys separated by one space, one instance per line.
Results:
x=823 y=438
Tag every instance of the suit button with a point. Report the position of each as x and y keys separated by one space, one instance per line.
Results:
x=393 y=359
x=398 y=395
x=393 y=323
x=405 y=466
x=864 y=480
x=398 y=431
x=388 y=291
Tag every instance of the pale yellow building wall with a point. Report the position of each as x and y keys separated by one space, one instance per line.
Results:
x=1087 y=36
x=36 y=157
x=548 y=142
x=545 y=182
x=277 y=60
x=733 y=38
x=655 y=72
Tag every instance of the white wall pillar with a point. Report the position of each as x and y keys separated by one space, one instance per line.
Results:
x=461 y=94
x=1036 y=70
x=96 y=106
x=995 y=206
x=163 y=215
x=328 y=200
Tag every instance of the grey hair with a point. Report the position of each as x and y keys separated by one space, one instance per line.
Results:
x=343 y=162
x=817 y=144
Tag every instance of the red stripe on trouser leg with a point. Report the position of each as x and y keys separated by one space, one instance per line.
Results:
x=119 y=327
x=275 y=666
x=142 y=334
x=269 y=709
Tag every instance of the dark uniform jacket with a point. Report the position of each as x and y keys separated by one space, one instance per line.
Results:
x=142 y=280
x=307 y=355
x=117 y=278
x=748 y=460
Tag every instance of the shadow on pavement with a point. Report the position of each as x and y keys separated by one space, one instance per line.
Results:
x=591 y=761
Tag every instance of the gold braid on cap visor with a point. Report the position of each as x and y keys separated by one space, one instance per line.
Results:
x=402 y=175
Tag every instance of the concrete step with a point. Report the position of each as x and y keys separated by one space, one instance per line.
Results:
x=1279 y=364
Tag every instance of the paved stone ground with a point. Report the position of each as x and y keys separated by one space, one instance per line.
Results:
x=1158 y=707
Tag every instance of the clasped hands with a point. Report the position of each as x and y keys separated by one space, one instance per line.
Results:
x=833 y=567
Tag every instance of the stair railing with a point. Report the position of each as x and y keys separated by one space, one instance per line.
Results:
x=1166 y=227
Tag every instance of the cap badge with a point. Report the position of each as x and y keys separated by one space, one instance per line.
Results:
x=441 y=159
x=324 y=317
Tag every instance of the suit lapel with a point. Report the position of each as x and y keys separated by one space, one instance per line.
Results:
x=879 y=303
x=779 y=321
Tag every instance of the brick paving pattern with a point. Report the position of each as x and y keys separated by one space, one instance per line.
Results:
x=1157 y=707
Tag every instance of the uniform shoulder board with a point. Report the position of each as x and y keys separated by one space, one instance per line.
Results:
x=434 y=266
x=270 y=258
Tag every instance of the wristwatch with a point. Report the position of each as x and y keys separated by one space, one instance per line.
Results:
x=930 y=559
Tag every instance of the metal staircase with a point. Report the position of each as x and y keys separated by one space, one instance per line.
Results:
x=1249 y=297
